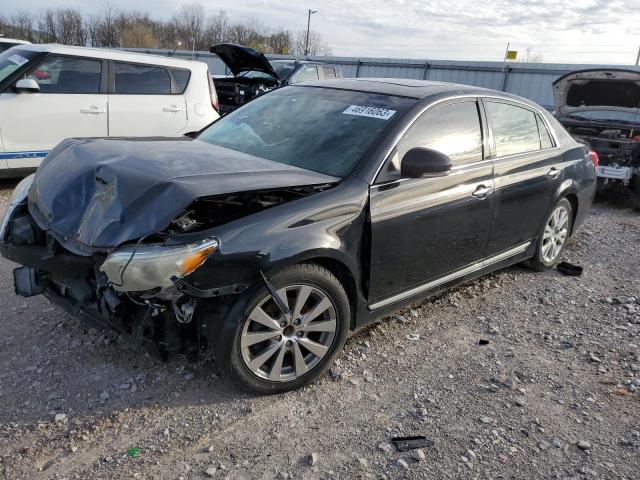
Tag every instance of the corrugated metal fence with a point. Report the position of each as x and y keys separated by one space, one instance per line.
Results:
x=530 y=80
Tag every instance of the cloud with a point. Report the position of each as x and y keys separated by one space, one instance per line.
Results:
x=590 y=31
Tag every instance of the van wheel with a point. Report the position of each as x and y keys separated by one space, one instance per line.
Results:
x=553 y=236
x=275 y=351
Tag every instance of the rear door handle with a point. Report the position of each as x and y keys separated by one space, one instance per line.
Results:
x=93 y=110
x=172 y=108
x=482 y=191
x=554 y=172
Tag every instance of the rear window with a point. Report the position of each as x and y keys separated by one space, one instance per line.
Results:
x=141 y=79
x=180 y=78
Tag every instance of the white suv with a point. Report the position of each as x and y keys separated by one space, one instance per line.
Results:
x=52 y=92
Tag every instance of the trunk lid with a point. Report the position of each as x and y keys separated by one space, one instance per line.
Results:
x=243 y=59
x=597 y=89
x=96 y=194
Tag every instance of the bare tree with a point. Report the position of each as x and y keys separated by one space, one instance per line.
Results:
x=531 y=56
x=22 y=26
x=216 y=30
x=316 y=44
x=280 y=41
x=189 y=22
x=188 y=27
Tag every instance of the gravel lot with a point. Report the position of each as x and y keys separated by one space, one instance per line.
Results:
x=551 y=395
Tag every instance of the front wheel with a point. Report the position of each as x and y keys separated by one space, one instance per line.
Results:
x=278 y=349
x=553 y=237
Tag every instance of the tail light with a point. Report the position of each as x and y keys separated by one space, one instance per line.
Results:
x=212 y=93
x=593 y=156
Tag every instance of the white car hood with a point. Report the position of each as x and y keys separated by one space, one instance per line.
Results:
x=597 y=89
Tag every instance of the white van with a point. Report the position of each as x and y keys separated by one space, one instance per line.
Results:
x=52 y=92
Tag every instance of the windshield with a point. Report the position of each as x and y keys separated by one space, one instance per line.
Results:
x=13 y=59
x=282 y=69
x=319 y=129
x=606 y=116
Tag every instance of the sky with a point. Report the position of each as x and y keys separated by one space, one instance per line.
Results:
x=578 y=31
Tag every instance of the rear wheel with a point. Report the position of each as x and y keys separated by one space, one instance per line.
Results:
x=553 y=236
x=276 y=351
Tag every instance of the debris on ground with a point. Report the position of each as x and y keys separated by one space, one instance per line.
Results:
x=411 y=443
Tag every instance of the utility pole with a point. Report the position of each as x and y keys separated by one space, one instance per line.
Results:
x=638 y=57
x=306 y=43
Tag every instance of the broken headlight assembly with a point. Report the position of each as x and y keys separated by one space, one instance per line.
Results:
x=18 y=196
x=139 y=268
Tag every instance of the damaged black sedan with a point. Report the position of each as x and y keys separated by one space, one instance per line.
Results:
x=296 y=219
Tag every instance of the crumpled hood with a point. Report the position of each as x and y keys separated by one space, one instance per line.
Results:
x=96 y=194
x=604 y=89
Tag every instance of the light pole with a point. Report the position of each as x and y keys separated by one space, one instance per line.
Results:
x=306 y=43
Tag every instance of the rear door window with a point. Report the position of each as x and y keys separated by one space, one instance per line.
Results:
x=59 y=74
x=306 y=74
x=141 y=79
x=515 y=129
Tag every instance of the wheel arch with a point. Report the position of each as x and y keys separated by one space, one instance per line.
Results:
x=337 y=264
x=568 y=190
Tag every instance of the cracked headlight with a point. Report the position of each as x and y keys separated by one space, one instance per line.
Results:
x=18 y=196
x=138 y=268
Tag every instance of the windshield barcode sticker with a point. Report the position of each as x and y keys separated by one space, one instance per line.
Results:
x=18 y=59
x=373 y=112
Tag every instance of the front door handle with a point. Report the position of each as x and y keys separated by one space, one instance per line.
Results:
x=172 y=108
x=93 y=110
x=482 y=191
x=554 y=172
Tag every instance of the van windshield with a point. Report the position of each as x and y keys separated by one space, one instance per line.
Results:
x=13 y=59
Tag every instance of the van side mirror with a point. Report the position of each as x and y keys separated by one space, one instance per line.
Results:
x=418 y=162
x=27 y=85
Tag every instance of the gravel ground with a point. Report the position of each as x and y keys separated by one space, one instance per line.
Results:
x=548 y=393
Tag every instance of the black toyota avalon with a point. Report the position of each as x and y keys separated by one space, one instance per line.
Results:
x=296 y=219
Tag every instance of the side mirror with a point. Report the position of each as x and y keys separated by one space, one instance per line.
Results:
x=27 y=85
x=418 y=162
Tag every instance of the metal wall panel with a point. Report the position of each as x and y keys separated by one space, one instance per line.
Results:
x=532 y=81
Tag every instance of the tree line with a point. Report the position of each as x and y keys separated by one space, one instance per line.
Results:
x=188 y=29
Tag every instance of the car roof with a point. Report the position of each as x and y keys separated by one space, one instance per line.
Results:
x=298 y=62
x=14 y=40
x=112 y=55
x=418 y=89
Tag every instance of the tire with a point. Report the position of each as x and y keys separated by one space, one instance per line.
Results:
x=272 y=353
x=548 y=250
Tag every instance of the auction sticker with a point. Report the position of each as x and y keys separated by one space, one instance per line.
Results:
x=18 y=59
x=372 y=112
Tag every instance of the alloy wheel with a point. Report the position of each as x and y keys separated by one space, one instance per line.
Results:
x=555 y=234
x=281 y=346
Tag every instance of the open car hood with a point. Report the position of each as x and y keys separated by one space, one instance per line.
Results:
x=96 y=194
x=243 y=59
x=597 y=89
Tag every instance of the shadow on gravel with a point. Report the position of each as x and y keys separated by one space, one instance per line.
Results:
x=618 y=196
x=9 y=183
x=50 y=363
